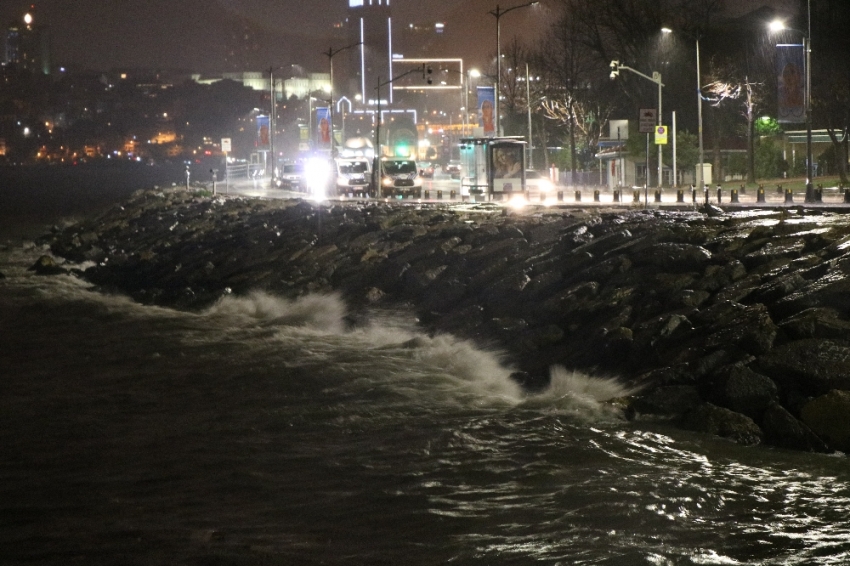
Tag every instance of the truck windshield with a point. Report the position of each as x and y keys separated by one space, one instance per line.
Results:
x=399 y=167
x=353 y=167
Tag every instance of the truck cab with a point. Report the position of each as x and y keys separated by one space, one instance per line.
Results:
x=353 y=176
x=399 y=177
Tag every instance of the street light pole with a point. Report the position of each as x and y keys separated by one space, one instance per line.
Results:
x=700 y=174
x=807 y=49
x=331 y=52
x=528 y=100
x=498 y=13
x=272 y=90
x=700 y=171
x=656 y=78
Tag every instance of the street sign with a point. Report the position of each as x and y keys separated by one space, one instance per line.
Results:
x=660 y=135
x=648 y=118
x=225 y=145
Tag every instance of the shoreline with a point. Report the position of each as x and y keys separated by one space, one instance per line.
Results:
x=731 y=324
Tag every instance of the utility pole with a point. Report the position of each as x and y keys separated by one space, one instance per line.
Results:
x=331 y=52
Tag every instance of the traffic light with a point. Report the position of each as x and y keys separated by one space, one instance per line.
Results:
x=615 y=71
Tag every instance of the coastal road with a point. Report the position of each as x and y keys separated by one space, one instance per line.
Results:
x=443 y=189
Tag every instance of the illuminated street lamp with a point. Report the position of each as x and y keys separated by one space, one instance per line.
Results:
x=497 y=13
x=700 y=172
x=777 y=26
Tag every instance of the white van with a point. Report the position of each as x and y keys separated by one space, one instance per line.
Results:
x=353 y=176
x=400 y=177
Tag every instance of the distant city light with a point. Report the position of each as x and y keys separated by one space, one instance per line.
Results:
x=28 y=18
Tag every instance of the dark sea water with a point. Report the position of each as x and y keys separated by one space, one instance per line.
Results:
x=268 y=432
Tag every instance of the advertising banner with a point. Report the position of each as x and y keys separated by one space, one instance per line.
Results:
x=506 y=166
x=790 y=72
x=263 y=133
x=487 y=109
x=323 y=128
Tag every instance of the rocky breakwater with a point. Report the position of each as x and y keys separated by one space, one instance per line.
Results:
x=735 y=324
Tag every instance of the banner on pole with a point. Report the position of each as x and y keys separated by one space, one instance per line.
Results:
x=487 y=109
x=323 y=125
x=263 y=132
x=790 y=67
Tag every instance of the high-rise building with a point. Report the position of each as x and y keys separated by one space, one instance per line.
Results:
x=27 y=45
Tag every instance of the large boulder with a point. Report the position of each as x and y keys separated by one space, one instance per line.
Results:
x=743 y=391
x=783 y=430
x=812 y=366
x=46 y=265
x=829 y=417
x=711 y=419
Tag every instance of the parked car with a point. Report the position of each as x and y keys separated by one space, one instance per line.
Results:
x=452 y=168
x=291 y=176
x=426 y=169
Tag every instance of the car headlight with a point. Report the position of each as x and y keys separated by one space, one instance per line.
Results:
x=545 y=185
x=417 y=182
x=387 y=182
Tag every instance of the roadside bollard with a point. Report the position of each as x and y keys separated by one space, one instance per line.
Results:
x=818 y=193
x=694 y=193
x=542 y=196
x=789 y=196
x=426 y=194
x=439 y=194
x=636 y=195
x=578 y=195
x=680 y=195
x=760 y=194
x=779 y=189
x=657 y=195
x=719 y=193
x=452 y=194
x=616 y=195
x=846 y=195
x=560 y=196
x=596 y=195
x=743 y=189
x=734 y=196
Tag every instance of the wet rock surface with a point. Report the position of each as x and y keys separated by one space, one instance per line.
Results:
x=731 y=324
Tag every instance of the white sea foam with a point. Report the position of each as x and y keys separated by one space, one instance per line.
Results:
x=581 y=395
x=414 y=361
x=318 y=312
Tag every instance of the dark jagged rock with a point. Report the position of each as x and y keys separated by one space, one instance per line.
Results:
x=46 y=265
x=722 y=422
x=727 y=321
x=829 y=417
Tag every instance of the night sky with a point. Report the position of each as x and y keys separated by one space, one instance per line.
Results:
x=238 y=35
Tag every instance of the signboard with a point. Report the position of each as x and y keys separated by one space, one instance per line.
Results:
x=660 y=135
x=506 y=167
x=262 y=132
x=648 y=117
x=225 y=145
x=486 y=109
x=323 y=127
